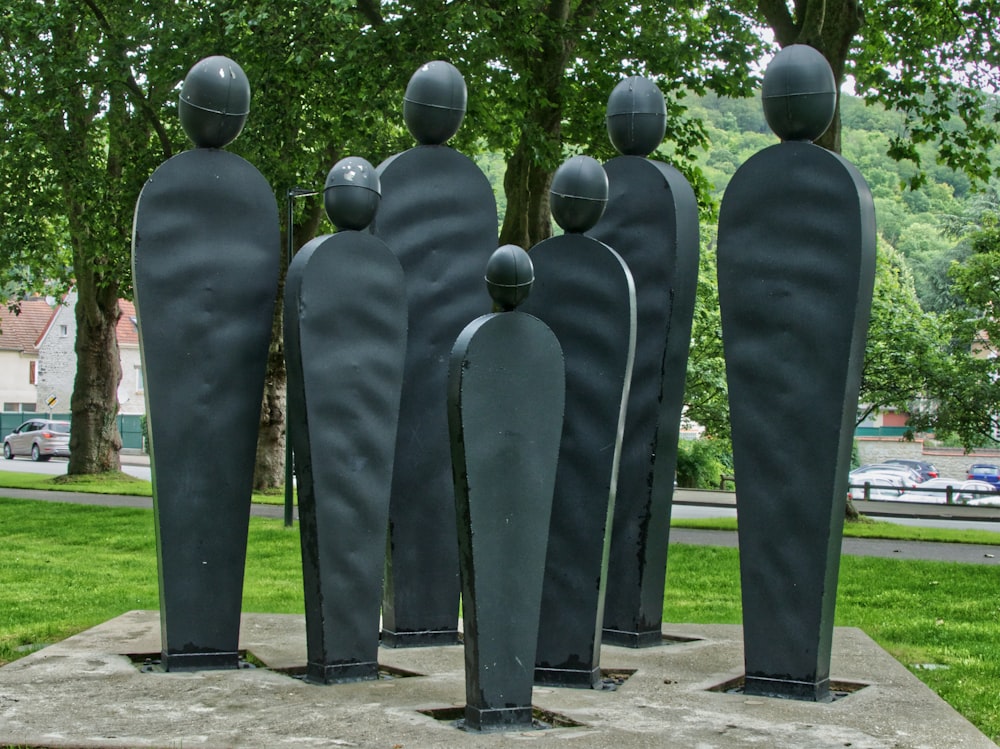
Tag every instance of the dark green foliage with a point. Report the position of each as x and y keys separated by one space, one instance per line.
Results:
x=702 y=463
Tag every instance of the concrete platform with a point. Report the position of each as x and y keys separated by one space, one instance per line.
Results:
x=85 y=692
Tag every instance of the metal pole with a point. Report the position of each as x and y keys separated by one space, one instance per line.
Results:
x=289 y=501
x=293 y=192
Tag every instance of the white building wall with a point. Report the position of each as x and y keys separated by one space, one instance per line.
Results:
x=131 y=398
x=57 y=366
x=15 y=378
x=57 y=360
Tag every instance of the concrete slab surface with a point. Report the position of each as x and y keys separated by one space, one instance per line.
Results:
x=85 y=692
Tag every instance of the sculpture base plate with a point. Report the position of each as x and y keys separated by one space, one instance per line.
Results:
x=341 y=673
x=423 y=639
x=789 y=689
x=200 y=661
x=489 y=720
x=632 y=638
x=568 y=677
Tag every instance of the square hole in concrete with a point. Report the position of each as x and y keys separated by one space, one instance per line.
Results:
x=152 y=663
x=669 y=639
x=540 y=719
x=838 y=689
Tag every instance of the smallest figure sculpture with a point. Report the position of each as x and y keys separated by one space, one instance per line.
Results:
x=506 y=392
x=345 y=343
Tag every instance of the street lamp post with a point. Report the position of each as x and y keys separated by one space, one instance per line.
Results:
x=291 y=195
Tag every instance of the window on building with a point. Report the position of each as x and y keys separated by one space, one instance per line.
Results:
x=32 y=372
x=63 y=331
x=14 y=407
x=138 y=380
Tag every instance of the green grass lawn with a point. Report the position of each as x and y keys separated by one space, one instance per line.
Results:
x=103 y=483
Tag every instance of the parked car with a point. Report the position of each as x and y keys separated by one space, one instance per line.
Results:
x=985 y=500
x=39 y=438
x=985 y=472
x=880 y=487
x=973 y=492
x=922 y=467
x=935 y=491
x=910 y=477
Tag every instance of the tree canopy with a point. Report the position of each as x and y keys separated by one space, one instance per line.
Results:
x=88 y=95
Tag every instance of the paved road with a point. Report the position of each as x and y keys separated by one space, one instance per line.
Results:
x=965 y=553
x=864 y=547
x=133 y=465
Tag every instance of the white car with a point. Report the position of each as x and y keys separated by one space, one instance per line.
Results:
x=979 y=494
x=880 y=486
x=935 y=491
x=909 y=476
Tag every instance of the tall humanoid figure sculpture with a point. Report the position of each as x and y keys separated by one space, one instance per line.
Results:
x=506 y=393
x=439 y=216
x=345 y=341
x=652 y=221
x=796 y=265
x=584 y=291
x=205 y=262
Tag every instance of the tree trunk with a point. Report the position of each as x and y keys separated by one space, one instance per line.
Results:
x=528 y=219
x=526 y=183
x=94 y=438
x=269 y=468
x=830 y=27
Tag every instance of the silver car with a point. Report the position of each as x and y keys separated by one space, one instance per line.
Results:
x=39 y=438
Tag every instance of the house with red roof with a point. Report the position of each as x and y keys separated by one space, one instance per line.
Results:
x=38 y=357
x=20 y=331
x=57 y=359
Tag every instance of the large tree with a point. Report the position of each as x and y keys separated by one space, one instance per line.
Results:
x=965 y=399
x=88 y=88
x=73 y=105
x=905 y=350
x=88 y=95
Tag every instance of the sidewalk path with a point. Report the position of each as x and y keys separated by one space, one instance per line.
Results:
x=864 y=547
x=870 y=547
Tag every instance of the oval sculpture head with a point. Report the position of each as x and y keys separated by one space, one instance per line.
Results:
x=434 y=103
x=214 y=102
x=637 y=116
x=509 y=276
x=352 y=193
x=799 y=93
x=579 y=194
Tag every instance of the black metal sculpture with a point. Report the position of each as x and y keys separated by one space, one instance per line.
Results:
x=796 y=265
x=438 y=215
x=205 y=263
x=345 y=342
x=652 y=221
x=505 y=407
x=584 y=292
